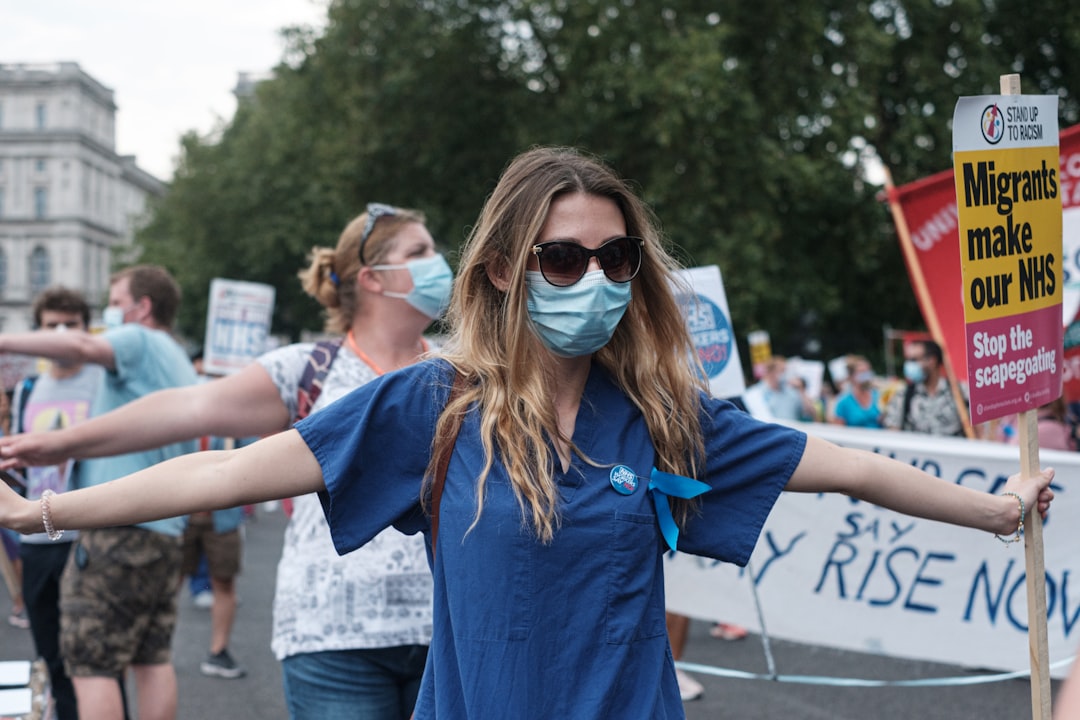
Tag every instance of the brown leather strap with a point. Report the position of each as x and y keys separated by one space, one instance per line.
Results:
x=449 y=434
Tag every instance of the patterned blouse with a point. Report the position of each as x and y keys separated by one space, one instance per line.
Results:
x=932 y=414
x=374 y=597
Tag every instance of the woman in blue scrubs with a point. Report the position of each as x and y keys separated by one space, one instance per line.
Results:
x=583 y=422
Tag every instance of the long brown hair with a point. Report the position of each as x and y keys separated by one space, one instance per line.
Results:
x=650 y=356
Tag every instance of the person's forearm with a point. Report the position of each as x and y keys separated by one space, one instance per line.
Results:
x=898 y=486
x=281 y=466
x=151 y=421
x=242 y=405
x=72 y=346
x=151 y=494
x=903 y=488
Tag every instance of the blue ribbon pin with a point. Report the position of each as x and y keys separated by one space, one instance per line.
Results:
x=662 y=484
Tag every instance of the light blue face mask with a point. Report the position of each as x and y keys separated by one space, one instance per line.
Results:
x=913 y=371
x=432 y=281
x=113 y=317
x=579 y=319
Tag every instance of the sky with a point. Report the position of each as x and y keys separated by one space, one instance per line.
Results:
x=172 y=66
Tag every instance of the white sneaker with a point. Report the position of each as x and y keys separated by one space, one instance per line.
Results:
x=689 y=688
x=203 y=600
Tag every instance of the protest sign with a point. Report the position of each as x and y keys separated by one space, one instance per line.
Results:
x=14 y=368
x=1070 y=372
x=709 y=320
x=760 y=352
x=811 y=372
x=1005 y=152
x=928 y=208
x=237 y=324
x=841 y=573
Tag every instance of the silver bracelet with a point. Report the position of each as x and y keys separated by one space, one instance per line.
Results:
x=46 y=517
x=1020 y=526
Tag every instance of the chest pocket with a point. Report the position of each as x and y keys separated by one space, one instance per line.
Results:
x=635 y=592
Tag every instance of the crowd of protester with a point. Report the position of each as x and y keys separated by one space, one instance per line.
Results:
x=847 y=391
x=381 y=301
x=920 y=398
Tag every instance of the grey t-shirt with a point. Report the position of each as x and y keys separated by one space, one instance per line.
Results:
x=54 y=404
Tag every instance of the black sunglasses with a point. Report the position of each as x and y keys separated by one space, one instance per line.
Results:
x=374 y=212
x=563 y=263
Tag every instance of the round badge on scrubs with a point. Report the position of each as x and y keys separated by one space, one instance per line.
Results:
x=624 y=480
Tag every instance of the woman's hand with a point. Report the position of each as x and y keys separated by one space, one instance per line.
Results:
x=1036 y=494
x=31 y=450
x=17 y=513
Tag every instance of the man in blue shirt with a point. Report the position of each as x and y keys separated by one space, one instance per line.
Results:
x=783 y=400
x=118 y=591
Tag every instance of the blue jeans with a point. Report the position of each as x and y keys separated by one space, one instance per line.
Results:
x=376 y=684
x=200 y=579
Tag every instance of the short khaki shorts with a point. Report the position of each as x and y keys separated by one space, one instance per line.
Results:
x=118 y=601
x=222 y=549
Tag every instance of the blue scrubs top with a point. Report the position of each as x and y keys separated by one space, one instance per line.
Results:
x=574 y=628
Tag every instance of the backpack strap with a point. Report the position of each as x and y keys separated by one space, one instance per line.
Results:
x=909 y=394
x=449 y=433
x=310 y=387
x=311 y=382
x=22 y=396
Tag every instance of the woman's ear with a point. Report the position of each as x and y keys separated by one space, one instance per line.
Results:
x=498 y=274
x=367 y=279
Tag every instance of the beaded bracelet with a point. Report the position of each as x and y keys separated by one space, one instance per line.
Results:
x=46 y=517
x=1020 y=525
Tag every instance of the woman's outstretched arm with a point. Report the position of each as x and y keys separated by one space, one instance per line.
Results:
x=240 y=405
x=279 y=466
x=898 y=486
